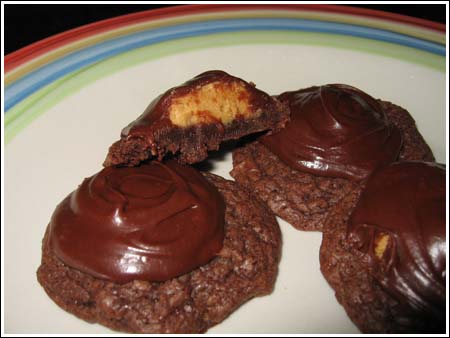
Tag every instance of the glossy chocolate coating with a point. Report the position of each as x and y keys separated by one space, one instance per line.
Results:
x=152 y=222
x=156 y=114
x=335 y=130
x=406 y=201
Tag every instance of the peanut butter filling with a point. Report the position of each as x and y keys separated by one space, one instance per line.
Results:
x=213 y=102
x=381 y=243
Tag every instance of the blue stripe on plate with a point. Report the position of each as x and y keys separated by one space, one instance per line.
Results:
x=32 y=82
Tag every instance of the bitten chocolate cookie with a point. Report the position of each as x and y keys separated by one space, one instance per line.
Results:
x=336 y=137
x=195 y=117
x=158 y=248
x=384 y=250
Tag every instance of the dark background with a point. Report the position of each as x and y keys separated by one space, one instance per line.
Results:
x=25 y=24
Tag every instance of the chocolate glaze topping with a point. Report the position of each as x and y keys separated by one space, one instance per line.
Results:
x=406 y=201
x=155 y=115
x=152 y=222
x=335 y=130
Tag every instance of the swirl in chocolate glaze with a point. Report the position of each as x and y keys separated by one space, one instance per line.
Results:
x=335 y=130
x=406 y=202
x=152 y=222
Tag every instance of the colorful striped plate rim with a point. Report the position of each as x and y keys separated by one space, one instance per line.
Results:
x=65 y=61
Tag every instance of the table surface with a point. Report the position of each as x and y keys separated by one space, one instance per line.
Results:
x=25 y=24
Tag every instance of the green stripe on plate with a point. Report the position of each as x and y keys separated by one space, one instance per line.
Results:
x=36 y=104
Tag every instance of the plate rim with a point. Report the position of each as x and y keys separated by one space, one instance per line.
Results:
x=26 y=71
x=19 y=56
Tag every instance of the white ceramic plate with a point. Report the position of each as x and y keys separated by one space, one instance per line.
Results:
x=49 y=157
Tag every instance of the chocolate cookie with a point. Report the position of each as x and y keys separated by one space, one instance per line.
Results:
x=383 y=250
x=336 y=137
x=181 y=273
x=195 y=117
